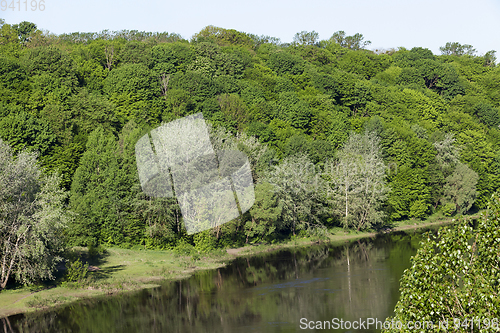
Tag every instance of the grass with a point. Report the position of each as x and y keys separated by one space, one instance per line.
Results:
x=122 y=270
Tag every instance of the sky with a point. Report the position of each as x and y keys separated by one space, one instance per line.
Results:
x=386 y=23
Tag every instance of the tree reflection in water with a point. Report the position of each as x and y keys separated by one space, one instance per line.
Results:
x=265 y=293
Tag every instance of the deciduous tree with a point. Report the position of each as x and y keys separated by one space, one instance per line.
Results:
x=357 y=182
x=32 y=218
x=457 y=49
x=299 y=189
x=355 y=42
x=306 y=37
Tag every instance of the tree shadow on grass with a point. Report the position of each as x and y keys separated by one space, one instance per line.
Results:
x=82 y=253
x=94 y=263
x=106 y=272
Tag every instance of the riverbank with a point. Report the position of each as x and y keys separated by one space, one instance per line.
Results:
x=122 y=270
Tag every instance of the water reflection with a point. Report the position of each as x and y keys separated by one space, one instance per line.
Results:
x=266 y=293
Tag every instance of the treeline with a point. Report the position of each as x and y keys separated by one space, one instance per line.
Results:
x=337 y=135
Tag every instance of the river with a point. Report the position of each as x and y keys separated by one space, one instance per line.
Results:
x=284 y=291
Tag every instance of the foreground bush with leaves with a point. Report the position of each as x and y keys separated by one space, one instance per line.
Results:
x=455 y=277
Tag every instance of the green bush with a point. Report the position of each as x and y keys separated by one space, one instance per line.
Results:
x=95 y=251
x=184 y=249
x=204 y=241
x=76 y=271
x=449 y=209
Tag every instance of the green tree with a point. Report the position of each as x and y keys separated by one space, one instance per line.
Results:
x=134 y=52
x=457 y=49
x=94 y=196
x=306 y=38
x=170 y=58
x=234 y=110
x=24 y=30
x=410 y=196
x=89 y=110
x=405 y=58
x=284 y=62
x=432 y=74
x=32 y=218
x=488 y=114
x=490 y=58
x=354 y=42
x=160 y=220
x=135 y=91
x=9 y=42
x=365 y=64
x=26 y=131
x=223 y=36
x=265 y=213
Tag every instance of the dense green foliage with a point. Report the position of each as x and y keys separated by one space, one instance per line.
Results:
x=454 y=278
x=421 y=130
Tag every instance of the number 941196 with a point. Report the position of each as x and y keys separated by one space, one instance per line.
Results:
x=22 y=5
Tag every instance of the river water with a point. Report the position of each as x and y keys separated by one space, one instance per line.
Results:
x=284 y=291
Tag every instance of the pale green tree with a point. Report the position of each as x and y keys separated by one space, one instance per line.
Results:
x=258 y=154
x=299 y=190
x=357 y=184
x=460 y=188
x=458 y=192
x=32 y=218
x=447 y=153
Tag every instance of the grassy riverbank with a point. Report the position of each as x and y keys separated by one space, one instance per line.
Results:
x=122 y=270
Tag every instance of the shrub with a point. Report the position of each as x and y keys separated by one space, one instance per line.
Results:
x=76 y=271
x=184 y=249
x=448 y=209
x=204 y=241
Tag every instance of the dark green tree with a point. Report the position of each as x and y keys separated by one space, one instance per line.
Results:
x=94 y=196
x=306 y=37
x=24 y=30
x=457 y=49
x=354 y=42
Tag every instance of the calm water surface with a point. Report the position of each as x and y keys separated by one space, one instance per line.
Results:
x=266 y=293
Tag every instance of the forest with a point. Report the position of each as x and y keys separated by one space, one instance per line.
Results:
x=338 y=136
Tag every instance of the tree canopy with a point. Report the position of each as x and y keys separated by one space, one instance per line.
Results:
x=366 y=137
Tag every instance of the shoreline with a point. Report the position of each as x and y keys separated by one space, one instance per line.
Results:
x=164 y=266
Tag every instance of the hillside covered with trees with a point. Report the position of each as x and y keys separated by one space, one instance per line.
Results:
x=337 y=135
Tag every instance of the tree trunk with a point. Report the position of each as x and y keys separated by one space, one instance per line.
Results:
x=109 y=56
x=164 y=84
x=346 y=200
x=6 y=277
